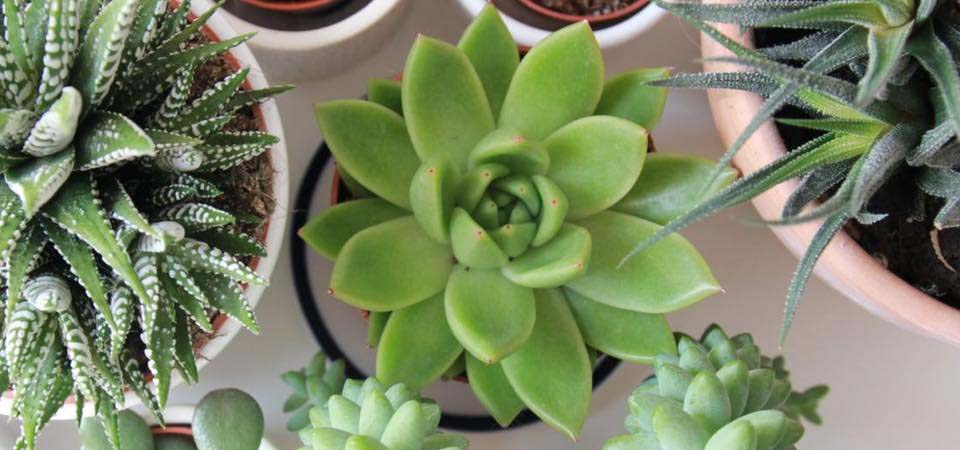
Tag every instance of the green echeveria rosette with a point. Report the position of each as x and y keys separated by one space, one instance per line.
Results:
x=718 y=394
x=368 y=415
x=312 y=386
x=495 y=200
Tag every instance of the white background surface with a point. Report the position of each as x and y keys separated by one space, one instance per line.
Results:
x=891 y=390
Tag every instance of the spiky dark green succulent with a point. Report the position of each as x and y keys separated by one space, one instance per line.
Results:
x=368 y=415
x=112 y=244
x=493 y=200
x=879 y=80
x=719 y=394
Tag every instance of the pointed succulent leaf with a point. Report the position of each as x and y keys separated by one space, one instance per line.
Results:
x=180 y=287
x=373 y=262
x=98 y=61
x=856 y=12
x=670 y=185
x=160 y=351
x=122 y=308
x=433 y=193
x=492 y=388
x=61 y=43
x=80 y=352
x=183 y=348
x=171 y=194
x=20 y=261
x=231 y=241
x=121 y=207
x=20 y=336
x=936 y=58
x=595 y=161
x=490 y=315
x=559 y=81
x=226 y=296
x=37 y=181
x=472 y=244
x=658 y=280
x=83 y=266
x=107 y=139
x=77 y=209
x=629 y=97
x=328 y=232
x=250 y=97
x=133 y=377
x=227 y=150
x=491 y=49
x=385 y=92
x=419 y=329
x=174 y=102
x=20 y=74
x=55 y=129
x=563 y=403
x=444 y=104
x=886 y=48
x=197 y=216
x=371 y=143
x=629 y=335
x=564 y=258
x=210 y=103
x=198 y=255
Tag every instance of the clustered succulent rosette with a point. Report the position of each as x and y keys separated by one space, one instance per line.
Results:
x=361 y=414
x=113 y=246
x=719 y=394
x=878 y=85
x=495 y=201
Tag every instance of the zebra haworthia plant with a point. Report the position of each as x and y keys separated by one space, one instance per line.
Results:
x=719 y=394
x=900 y=114
x=112 y=248
x=493 y=201
x=335 y=413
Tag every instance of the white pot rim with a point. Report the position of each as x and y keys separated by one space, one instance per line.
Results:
x=183 y=415
x=844 y=265
x=612 y=36
x=328 y=36
x=277 y=221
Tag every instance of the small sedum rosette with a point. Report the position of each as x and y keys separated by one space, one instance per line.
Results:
x=718 y=394
x=494 y=201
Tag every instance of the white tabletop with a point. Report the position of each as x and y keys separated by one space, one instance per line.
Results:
x=891 y=390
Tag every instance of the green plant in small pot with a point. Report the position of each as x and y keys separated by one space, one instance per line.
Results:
x=877 y=86
x=225 y=419
x=120 y=133
x=719 y=394
x=493 y=201
x=335 y=413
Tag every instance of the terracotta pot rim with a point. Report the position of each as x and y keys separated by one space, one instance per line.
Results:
x=629 y=10
x=845 y=265
x=173 y=429
x=293 y=6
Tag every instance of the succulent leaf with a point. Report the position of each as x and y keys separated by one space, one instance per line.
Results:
x=630 y=97
x=492 y=52
x=108 y=139
x=38 y=180
x=492 y=388
x=628 y=335
x=99 y=56
x=226 y=296
x=423 y=329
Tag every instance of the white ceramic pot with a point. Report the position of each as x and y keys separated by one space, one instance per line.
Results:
x=528 y=35
x=182 y=416
x=225 y=328
x=293 y=56
x=844 y=265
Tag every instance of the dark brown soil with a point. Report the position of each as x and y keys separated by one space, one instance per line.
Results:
x=586 y=7
x=905 y=242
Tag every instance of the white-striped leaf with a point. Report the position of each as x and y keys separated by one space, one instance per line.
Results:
x=99 y=57
x=227 y=297
x=108 y=139
x=183 y=290
x=20 y=337
x=197 y=216
x=174 y=193
x=55 y=129
x=83 y=266
x=198 y=256
x=211 y=103
x=37 y=181
x=230 y=241
x=122 y=307
x=175 y=100
x=80 y=353
x=20 y=262
x=183 y=354
x=133 y=376
x=15 y=126
x=227 y=150
x=122 y=208
x=61 y=42
x=48 y=293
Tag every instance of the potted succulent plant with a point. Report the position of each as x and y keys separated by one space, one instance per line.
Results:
x=135 y=172
x=879 y=91
x=489 y=215
x=614 y=21
x=226 y=419
x=333 y=412
x=719 y=394
x=335 y=35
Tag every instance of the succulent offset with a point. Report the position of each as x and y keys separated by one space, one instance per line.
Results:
x=900 y=113
x=113 y=247
x=362 y=414
x=719 y=394
x=493 y=199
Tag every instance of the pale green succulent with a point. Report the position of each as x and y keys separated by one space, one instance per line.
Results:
x=368 y=415
x=312 y=386
x=493 y=200
x=891 y=118
x=108 y=223
x=718 y=394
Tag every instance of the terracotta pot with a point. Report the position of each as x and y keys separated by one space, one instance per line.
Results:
x=621 y=13
x=844 y=265
x=225 y=329
x=179 y=420
x=294 y=6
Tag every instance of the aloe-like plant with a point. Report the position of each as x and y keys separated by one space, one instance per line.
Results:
x=719 y=394
x=891 y=117
x=113 y=250
x=493 y=200
x=361 y=414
